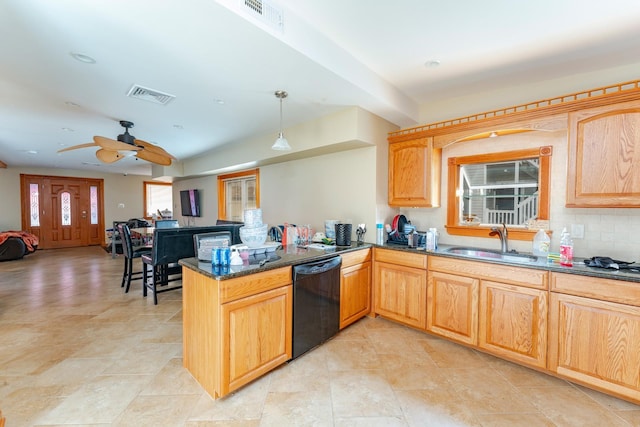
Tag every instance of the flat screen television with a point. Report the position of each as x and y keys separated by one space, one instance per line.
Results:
x=190 y=202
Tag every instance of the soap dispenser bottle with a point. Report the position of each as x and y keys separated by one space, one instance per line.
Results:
x=566 y=249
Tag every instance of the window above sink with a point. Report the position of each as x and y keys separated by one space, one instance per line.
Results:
x=508 y=187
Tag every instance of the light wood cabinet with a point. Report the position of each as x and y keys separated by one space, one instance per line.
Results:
x=400 y=286
x=499 y=308
x=414 y=173
x=452 y=309
x=235 y=330
x=595 y=342
x=256 y=335
x=355 y=286
x=604 y=156
x=513 y=322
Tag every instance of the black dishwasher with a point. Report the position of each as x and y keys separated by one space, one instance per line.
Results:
x=316 y=303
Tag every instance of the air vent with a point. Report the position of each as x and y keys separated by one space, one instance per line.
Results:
x=151 y=95
x=268 y=12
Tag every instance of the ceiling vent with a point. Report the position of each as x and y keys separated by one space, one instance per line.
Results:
x=151 y=95
x=268 y=12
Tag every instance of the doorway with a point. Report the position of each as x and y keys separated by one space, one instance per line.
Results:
x=63 y=212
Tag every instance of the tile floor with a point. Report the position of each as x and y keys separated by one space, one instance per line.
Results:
x=76 y=351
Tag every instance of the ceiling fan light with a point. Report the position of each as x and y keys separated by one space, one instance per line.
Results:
x=128 y=153
x=281 y=143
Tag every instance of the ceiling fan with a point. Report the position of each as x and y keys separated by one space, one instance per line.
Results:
x=112 y=150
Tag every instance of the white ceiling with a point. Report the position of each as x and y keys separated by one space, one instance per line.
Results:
x=329 y=54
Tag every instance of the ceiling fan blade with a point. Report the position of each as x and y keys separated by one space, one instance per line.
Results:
x=153 y=157
x=108 y=156
x=75 y=147
x=113 y=145
x=154 y=148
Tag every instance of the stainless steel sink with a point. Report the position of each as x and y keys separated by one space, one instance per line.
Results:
x=491 y=254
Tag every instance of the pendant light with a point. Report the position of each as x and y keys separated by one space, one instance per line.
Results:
x=281 y=143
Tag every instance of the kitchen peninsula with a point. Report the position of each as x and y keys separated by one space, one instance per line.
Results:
x=237 y=325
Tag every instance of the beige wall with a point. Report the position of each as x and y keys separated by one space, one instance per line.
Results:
x=118 y=189
x=347 y=185
x=207 y=187
x=508 y=96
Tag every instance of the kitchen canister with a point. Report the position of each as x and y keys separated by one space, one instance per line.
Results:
x=343 y=234
x=330 y=228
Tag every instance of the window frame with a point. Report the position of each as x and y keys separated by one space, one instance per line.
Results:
x=222 y=196
x=144 y=196
x=453 y=197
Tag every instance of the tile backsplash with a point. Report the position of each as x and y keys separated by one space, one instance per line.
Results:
x=613 y=232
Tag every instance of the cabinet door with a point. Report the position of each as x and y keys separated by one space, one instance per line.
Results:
x=256 y=336
x=453 y=307
x=596 y=343
x=604 y=156
x=414 y=173
x=355 y=293
x=401 y=293
x=513 y=322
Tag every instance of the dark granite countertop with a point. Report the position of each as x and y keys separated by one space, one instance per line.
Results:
x=578 y=264
x=292 y=255
x=285 y=256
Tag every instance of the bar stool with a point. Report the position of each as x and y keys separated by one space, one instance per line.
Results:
x=130 y=252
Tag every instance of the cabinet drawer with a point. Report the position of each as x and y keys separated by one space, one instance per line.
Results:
x=245 y=286
x=355 y=257
x=596 y=287
x=482 y=270
x=407 y=259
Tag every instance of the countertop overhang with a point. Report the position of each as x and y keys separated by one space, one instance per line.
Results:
x=288 y=256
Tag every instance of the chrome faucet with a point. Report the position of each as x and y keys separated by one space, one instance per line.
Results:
x=503 y=234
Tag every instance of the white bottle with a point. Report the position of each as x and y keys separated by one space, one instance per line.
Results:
x=566 y=249
x=379 y=234
x=541 y=243
x=431 y=244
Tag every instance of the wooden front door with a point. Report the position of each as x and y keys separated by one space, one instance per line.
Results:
x=63 y=212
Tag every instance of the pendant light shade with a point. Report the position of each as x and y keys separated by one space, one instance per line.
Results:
x=281 y=143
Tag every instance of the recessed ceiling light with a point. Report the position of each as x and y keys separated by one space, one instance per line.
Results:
x=71 y=104
x=68 y=130
x=31 y=152
x=82 y=58
x=432 y=63
x=219 y=101
x=178 y=127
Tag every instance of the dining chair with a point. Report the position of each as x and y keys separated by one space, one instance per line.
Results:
x=130 y=253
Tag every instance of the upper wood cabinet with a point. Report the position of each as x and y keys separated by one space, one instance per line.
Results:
x=604 y=156
x=414 y=173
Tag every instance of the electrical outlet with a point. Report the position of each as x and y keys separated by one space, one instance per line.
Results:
x=577 y=231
